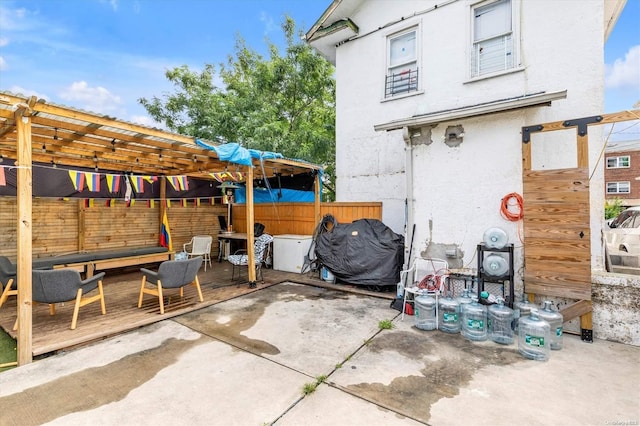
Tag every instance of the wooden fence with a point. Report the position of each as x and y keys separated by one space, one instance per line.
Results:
x=65 y=227
x=297 y=218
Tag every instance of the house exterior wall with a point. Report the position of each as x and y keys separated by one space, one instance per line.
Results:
x=628 y=174
x=457 y=191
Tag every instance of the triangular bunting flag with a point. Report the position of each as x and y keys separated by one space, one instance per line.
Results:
x=113 y=183
x=77 y=178
x=179 y=183
x=93 y=181
x=228 y=176
x=138 y=183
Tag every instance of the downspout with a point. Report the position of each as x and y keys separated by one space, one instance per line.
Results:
x=409 y=216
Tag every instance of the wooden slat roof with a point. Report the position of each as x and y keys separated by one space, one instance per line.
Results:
x=66 y=136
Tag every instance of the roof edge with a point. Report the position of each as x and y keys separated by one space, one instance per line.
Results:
x=491 y=107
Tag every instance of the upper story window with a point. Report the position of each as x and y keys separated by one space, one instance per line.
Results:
x=493 y=38
x=402 y=63
x=618 y=188
x=621 y=162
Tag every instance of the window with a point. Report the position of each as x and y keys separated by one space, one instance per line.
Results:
x=493 y=38
x=618 y=188
x=402 y=60
x=618 y=162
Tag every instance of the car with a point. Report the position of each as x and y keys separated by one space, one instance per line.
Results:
x=623 y=233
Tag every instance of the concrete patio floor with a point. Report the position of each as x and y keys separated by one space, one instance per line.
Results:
x=246 y=361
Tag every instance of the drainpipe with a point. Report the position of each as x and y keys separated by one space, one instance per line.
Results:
x=409 y=216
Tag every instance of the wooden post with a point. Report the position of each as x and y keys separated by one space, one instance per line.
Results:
x=250 y=236
x=25 y=230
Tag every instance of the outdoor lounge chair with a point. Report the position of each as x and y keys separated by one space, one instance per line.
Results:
x=64 y=285
x=7 y=279
x=261 y=250
x=171 y=274
x=200 y=245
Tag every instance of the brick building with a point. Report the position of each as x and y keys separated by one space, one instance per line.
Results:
x=622 y=172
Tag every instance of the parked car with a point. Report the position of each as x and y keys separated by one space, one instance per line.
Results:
x=623 y=233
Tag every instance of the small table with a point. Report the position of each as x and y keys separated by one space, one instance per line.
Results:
x=227 y=237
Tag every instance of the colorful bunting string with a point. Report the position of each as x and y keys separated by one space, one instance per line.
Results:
x=228 y=176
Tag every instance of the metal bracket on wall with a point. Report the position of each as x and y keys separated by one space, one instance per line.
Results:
x=582 y=123
x=587 y=335
x=526 y=132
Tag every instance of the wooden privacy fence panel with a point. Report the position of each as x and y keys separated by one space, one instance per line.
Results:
x=107 y=228
x=65 y=227
x=55 y=227
x=185 y=222
x=299 y=219
x=557 y=233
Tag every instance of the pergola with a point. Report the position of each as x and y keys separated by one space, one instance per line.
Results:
x=32 y=130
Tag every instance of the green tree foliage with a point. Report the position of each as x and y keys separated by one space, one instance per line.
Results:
x=612 y=208
x=285 y=103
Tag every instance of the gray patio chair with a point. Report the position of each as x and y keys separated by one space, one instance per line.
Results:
x=65 y=285
x=240 y=259
x=171 y=274
x=7 y=279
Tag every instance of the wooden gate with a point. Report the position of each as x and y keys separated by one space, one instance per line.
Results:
x=557 y=235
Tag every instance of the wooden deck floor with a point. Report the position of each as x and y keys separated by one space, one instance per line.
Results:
x=121 y=287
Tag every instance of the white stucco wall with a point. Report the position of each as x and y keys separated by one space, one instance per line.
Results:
x=459 y=189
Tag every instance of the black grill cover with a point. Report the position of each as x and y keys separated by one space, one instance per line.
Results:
x=364 y=252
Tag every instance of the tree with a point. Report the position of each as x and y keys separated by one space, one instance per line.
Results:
x=285 y=103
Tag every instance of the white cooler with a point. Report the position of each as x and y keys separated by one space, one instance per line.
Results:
x=289 y=251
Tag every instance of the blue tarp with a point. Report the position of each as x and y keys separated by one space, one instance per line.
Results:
x=234 y=153
x=266 y=196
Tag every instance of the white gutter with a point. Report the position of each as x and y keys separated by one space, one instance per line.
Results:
x=472 y=111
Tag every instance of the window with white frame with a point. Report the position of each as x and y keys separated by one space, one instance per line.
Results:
x=402 y=63
x=618 y=188
x=621 y=162
x=493 y=38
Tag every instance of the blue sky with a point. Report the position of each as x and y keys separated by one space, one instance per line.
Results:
x=103 y=55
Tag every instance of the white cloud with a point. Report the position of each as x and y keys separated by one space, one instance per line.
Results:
x=4 y=41
x=145 y=120
x=624 y=73
x=112 y=3
x=94 y=99
x=3 y=64
x=267 y=20
x=27 y=92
